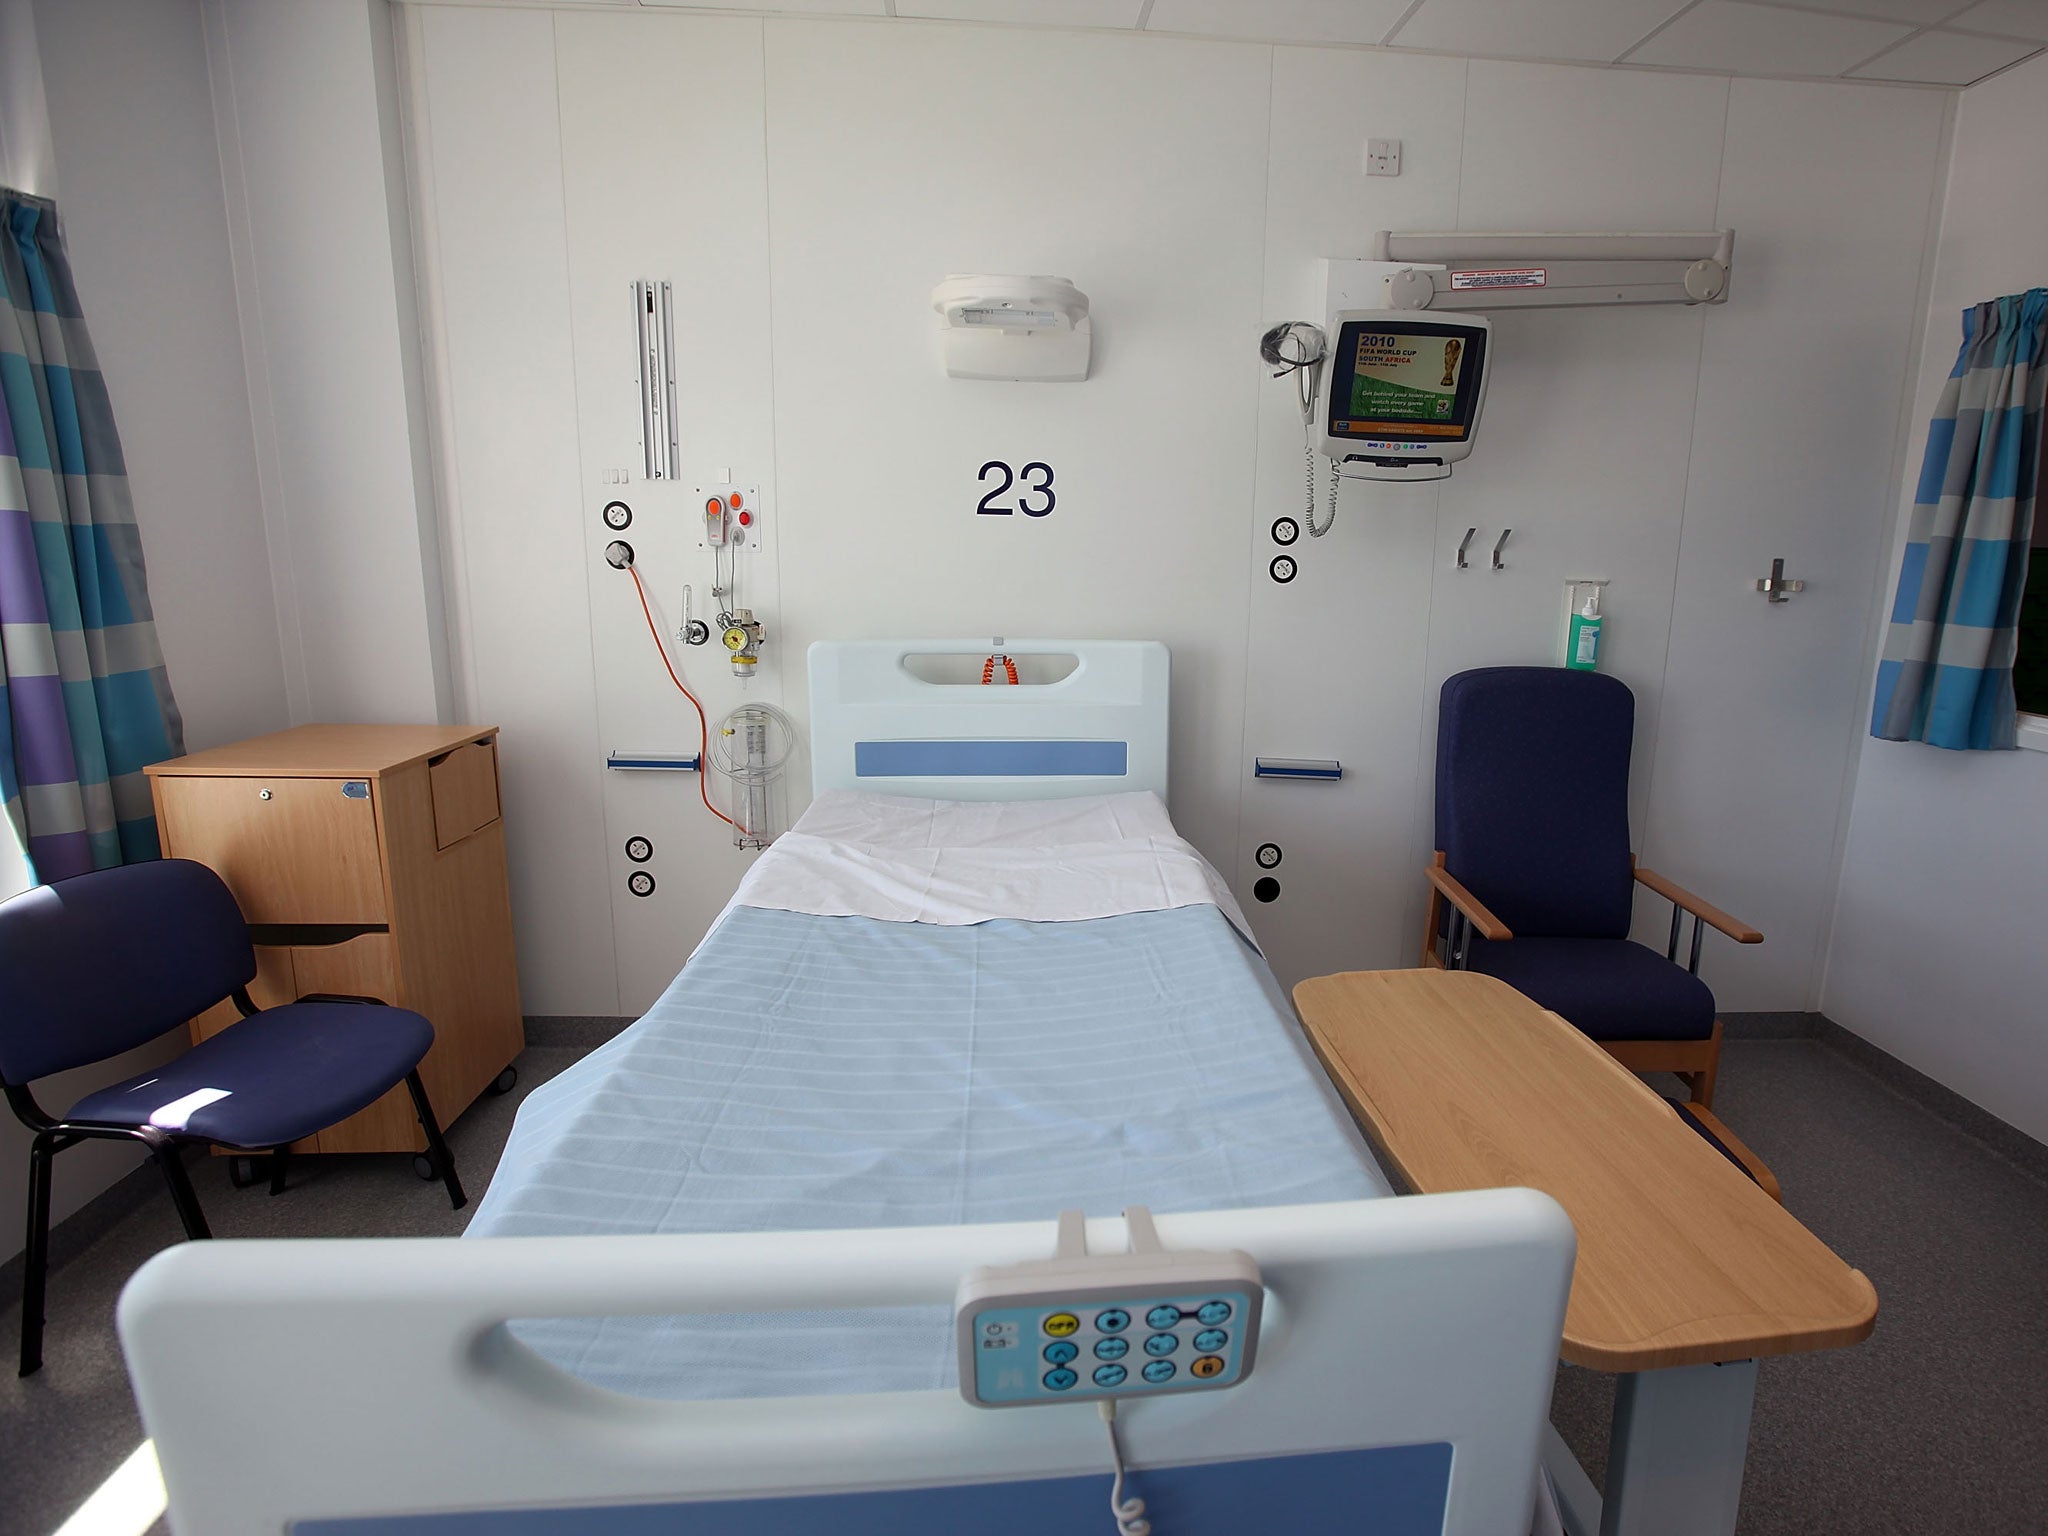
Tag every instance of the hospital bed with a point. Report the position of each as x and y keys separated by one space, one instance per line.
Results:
x=979 y=983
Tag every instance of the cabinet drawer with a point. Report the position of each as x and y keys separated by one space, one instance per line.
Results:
x=465 y=790
x=292 y=850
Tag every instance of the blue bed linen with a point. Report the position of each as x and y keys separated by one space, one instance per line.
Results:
x=812 y=1072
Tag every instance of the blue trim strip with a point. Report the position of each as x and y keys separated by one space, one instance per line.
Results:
x=991 y=759
x=680 y=764
x=1404 y=1488
x=1263 y=769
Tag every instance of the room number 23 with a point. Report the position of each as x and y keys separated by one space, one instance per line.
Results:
x=1034 y=498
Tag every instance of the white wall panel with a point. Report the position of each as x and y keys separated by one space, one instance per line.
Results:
x=1335 y=657
x=1190 y=189
x=1936 y=954
x=1585 y=445
x=1800 y=386
x=494 y=231
x=1549 y=146
x=303 y=92
x=1136 y=167
x=665 y=178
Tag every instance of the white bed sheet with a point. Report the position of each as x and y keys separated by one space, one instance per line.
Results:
x=957 y=863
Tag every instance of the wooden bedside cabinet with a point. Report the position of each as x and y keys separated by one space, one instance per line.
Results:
x=368 y=860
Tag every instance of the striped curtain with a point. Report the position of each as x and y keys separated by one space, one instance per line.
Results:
x=84 y=701
x=1946 y=675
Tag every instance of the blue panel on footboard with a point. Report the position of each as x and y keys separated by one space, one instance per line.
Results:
x=1389 y=1490
x=987 y=759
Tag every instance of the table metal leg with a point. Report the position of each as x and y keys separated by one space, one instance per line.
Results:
x=1577 y=1502
x=1674 y=1464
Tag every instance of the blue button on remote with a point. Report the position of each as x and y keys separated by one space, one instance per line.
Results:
x=1060 y=1351
x=1060 y=1378
x=1112 y=1320
x=1161 y=1344
x=1112 y=1348
x=1209 y=1340
x=1110 y=1375
x=1166 y=1317
x=1158 y=1371
x=1213 y=1312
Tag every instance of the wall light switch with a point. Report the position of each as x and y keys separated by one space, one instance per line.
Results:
x=1382 y=157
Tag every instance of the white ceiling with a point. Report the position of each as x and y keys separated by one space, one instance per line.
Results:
x=1923 y=42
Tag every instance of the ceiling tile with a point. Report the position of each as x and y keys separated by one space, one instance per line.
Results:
x=2015 y=18
x=1280 y=21
x=1760 y=40
x=1917 y=12
x=1946 y=58
x=816 y=7
x=1047 y=13
x=1601 y=30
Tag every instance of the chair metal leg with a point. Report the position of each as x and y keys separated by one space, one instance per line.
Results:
x=437 y=1146
x=180 y=1182
x=35 y=1276
x=279 y=1158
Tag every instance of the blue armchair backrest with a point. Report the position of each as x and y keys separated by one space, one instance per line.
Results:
x=1532 y=797
x=97 y=964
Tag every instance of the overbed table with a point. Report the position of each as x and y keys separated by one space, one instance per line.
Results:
x=1687 y=1273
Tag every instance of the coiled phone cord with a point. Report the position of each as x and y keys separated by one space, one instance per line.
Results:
x=1296 y=347
x=1129 y=1513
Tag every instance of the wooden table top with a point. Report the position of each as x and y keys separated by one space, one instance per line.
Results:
x=324 y=752
x=1463 y=1083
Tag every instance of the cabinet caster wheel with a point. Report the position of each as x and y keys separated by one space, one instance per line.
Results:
x=241 y=1171
x=423 y=1168
x=505 y=1081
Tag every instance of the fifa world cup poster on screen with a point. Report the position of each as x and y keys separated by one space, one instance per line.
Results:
x=1406 y=379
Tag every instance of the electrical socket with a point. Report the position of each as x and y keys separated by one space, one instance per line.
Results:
x=1382 y=157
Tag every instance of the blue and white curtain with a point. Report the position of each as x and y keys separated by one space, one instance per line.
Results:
x=84 y=701
x=1946 y=675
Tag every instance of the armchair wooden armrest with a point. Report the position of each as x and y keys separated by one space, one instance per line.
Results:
x=1489 y=926
x=1712 y=916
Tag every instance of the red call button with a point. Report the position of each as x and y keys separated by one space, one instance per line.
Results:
x=714 y=507
x=746 y=519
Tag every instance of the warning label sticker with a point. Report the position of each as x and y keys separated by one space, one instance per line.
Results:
x=1499 y=277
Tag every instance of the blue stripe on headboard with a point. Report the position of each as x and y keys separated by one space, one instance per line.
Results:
x=991 y=759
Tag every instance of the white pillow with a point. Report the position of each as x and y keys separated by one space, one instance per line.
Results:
x=895 y=821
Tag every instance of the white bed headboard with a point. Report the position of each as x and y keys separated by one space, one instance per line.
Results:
x=877 y=726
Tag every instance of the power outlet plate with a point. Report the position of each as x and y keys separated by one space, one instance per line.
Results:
x=1382 y=157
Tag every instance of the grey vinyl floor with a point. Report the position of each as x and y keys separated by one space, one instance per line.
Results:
x=1938 y=1424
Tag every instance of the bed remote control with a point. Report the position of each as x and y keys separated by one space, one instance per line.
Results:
x=1126 y=1325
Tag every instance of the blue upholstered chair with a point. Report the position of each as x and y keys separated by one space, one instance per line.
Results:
x=97 y=965
x=1533 y=880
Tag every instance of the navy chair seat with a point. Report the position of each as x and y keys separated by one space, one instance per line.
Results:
x=1612 y=989
x=288 y=1072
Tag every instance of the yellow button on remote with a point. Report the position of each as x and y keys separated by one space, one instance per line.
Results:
x=1060 y=1324
x=1207 y=1366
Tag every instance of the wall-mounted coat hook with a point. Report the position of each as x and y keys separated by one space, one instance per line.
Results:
x=1775 y=587
x=1500 y=544
x=1462 y=545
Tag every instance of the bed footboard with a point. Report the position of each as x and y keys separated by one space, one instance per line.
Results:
x=330 y=1387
